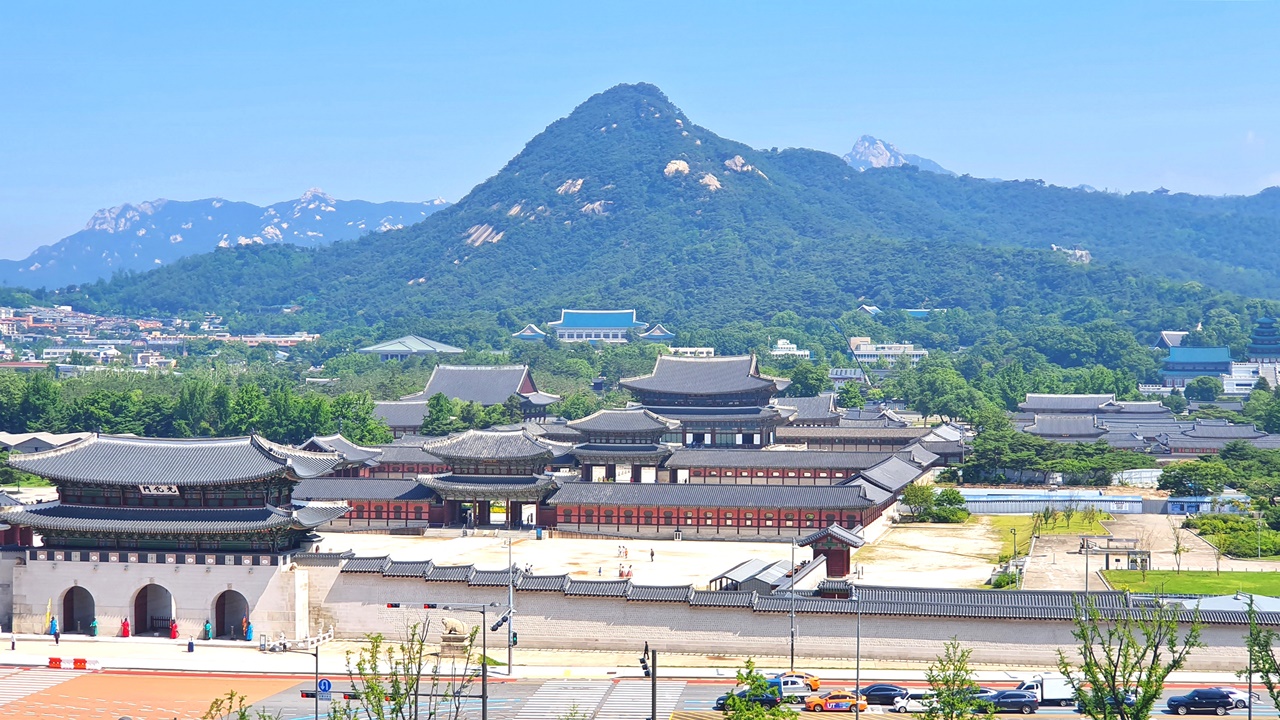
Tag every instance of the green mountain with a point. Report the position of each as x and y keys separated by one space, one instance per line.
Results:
x=627 y=203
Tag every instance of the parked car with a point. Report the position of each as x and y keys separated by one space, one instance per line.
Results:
x=769 y=700
x=1241 y=698
x=807 y=678
x=916 y=702
x=883 y=693
x=1130 y=699
x=984 y=693
x=790 y=687
x=1202 y=700
x=836 y=700
x=1023 y=701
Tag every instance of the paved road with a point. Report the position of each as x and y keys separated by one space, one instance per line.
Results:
x=607 y=700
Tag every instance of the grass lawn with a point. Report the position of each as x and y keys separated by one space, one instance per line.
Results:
x=1198 y=582
x=1005 y=524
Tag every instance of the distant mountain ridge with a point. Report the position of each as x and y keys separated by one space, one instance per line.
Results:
x=626 y=202
x=870 y=152
x=144 y=236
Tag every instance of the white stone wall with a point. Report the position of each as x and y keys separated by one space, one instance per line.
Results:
x=270 y=591
x=356 y=603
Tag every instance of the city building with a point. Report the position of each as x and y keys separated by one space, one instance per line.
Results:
x=610 y=326
x=409 y=346
x=865 y=351
x=1185 y=364
x=786 y=348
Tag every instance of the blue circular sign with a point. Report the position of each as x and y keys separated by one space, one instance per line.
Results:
x=325 y=685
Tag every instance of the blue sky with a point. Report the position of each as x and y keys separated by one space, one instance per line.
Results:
x=106 y=103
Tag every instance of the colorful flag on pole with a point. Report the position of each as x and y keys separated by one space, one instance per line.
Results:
x=48 y=615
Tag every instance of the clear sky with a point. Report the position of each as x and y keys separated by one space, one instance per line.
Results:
x=106 y=103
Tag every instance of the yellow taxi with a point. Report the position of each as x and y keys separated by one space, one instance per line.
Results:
x=807 y=678
x=835 y=701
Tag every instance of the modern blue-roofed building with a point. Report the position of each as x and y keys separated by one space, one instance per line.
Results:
x=609 y=326
x=1185 y=364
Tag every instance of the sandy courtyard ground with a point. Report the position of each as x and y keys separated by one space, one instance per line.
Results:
x=910 y=555
x=928 y=555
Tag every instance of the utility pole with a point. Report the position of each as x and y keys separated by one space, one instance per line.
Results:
x=511 y=606
x=792 y=590
x=653 y=686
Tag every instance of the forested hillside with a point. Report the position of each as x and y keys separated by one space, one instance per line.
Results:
x=627 y=203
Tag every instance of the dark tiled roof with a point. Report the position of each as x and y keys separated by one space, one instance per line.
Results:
x=722 y=598
x=717 y=414
x=367 y=564
x=338 y=488
x=622 y=421
x=892 y=475
x=701 y=376
x=166 y=521
x=313 y=515
x=852 y=538
x=794 y=459
x=129 y=460
x=401 y=568
x=544 y=583
x=1152 y=407
x=495 y=578
x=450 y=573
x=1065 y=426
x=1222 y=429
x=407 y=453
x=789 y=433
x=660 y=593
x=835 y=585
x=598 y=588
x=348 y=450
x=487 y=483
x=410 y=345
x=696 y=495
x=322 y=559
x=822 y=407
x=401 y=413
x=484 y=384
x=812 y=605
x=7 y=500
x=490 y=445
x=1048 y=403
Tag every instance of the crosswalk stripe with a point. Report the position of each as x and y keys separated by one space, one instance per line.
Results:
x=630 y=700
x=555 y=697
x=23 y=683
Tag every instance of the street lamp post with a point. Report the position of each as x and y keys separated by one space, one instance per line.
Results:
x=792 y=589
x=1015 y=546
x=484 y=649
x=315 y=652
x=857 y=650
x=511 y=605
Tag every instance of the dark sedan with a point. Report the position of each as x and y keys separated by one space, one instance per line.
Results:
x=1014 y=701
x=1202 y=701
x=770 y=699
x=883 y=693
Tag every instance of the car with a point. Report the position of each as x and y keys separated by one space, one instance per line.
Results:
x=1023 y=701
x=1130 y=699
x=883 y=693
x=1202 y=700
x=1241 y=698
x=807 y=678
x=916 y=702
x=790 y=687
x=836 y=700
x=768 y=700
x=984 y=693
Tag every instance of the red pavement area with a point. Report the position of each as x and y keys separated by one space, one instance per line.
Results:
x=110 y=696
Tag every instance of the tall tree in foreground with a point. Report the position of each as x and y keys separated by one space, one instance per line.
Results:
x=403 y=681
x=1261 y=643
x=954 y=687
x=753 y=683
x=1125 y=660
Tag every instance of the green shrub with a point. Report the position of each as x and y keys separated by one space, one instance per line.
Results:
x=1004 y=580
x=1220 y=523
x=948 y=515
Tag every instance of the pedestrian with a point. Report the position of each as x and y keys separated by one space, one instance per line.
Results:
x=650 y=554
x=600 y=571
x=13 y=640
x=57 y=637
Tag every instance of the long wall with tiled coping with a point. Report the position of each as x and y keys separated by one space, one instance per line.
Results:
x=356 y=604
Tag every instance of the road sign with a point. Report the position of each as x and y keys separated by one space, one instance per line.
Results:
x=324 y=695
x=324 y=685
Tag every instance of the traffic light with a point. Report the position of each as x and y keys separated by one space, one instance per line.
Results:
x=644 y=664
x=515 y=638
x=393 y=605
x=501 y=621
x=430 y=606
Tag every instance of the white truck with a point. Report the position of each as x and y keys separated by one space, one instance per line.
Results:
x=1051 y=688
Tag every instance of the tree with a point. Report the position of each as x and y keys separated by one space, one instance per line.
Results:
x=1262 y=385
x=1204 y=389
x=954 y=686
x=442 y=416
x=233 y=707
x=1196 y=477
x=1125 y=659
x=353 y=417
x=1179 y=546
x=850 y=395
x=752 y=683
x=1175 y=402
x=1260 y=642
x=807 y=379
x=398 y=681
x=950 y=497
x=919 y=498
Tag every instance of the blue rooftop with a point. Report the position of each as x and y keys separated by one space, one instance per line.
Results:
x=1183 y=354
x=602 y=319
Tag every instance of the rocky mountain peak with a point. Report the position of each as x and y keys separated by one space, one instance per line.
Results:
x=872 y=152
x=122 y=217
